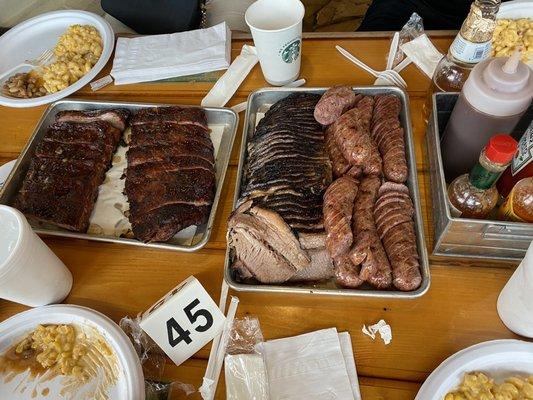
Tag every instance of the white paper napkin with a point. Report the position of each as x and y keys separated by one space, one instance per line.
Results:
x=150 y=58
x=310 y=366
x=423 y=53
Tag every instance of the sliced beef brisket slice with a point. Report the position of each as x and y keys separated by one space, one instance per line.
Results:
x=171 y=115
x=187 y=187
x=272 y=230
x=116 y=117
x=161 y=224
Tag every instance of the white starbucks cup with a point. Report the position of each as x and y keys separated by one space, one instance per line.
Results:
x=30 y=273
x=276 y=27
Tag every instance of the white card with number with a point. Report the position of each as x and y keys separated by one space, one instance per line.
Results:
x=183 y=321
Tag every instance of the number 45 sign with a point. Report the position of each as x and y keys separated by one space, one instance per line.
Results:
x=183 y=321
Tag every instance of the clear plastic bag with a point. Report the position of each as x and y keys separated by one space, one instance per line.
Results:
x=153 y=364
x=245 y=370
x=411 y=30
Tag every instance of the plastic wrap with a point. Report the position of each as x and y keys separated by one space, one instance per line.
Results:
x=411 y=30
x=245 y=370
x=153 y=364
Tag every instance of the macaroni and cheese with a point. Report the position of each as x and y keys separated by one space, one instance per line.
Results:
x=511 y=34
x=478 y=386
x=76 y=52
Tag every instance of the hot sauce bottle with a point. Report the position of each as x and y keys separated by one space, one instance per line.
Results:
x=474 y=195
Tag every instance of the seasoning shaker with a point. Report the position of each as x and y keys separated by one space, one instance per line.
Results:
x=474 y=195
x=493 y=99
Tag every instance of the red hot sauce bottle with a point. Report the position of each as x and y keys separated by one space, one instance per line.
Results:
x=474 y=195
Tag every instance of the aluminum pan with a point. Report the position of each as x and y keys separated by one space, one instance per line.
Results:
x=259 y=101
x=224 y=116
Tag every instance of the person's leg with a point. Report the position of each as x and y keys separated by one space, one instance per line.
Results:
x=387 y=15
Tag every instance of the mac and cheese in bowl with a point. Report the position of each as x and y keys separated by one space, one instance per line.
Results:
x=511 y=34
x=478 y=386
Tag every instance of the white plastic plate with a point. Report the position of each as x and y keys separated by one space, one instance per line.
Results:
x=130 y=384
x=498 y=358
x=32 y=37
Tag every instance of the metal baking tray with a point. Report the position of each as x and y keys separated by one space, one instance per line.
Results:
x=466 y=237
x=259 y=102
x=219 y=116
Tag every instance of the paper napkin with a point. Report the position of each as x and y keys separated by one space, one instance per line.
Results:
x=297 y=367
x=150 y=58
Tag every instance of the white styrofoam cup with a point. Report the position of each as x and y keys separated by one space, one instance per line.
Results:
x=515 y=302
x=30 y=273
x=276 y=27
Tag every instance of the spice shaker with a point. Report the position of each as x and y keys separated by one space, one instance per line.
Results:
x=474 y=195
x=515 y=303
x=495 y=96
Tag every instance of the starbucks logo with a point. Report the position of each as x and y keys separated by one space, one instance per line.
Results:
x=291 y=51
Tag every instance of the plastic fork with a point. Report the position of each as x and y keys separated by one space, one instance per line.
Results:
x=390 y=75
x=43 y=59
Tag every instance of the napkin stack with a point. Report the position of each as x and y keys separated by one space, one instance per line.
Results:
x=316 y=365
x=150 y=58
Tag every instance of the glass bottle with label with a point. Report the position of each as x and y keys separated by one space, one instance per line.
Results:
x=522 y=165
x=474 y=195
x=471 y=46
x=518 y=206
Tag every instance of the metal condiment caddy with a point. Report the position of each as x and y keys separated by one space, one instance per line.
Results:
x=464 y=237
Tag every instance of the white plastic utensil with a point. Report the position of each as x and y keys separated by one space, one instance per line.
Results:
x=41 y=60
x=391 y=76
x=393 y=49
x=356 y=61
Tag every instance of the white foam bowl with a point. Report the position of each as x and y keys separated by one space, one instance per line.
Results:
x=130 y=384
x=31 y=38
x=499 y=359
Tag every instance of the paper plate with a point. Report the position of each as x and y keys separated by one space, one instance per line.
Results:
x=32 y=37
x=130 y=384
x=498 y=358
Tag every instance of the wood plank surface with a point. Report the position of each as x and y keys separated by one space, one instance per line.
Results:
x=458 y=310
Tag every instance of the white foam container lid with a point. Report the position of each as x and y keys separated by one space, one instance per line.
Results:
x=130 y=384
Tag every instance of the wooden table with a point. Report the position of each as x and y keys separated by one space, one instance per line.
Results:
x=459 y=310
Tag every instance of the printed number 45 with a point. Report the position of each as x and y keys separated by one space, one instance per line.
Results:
x=184 y=334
